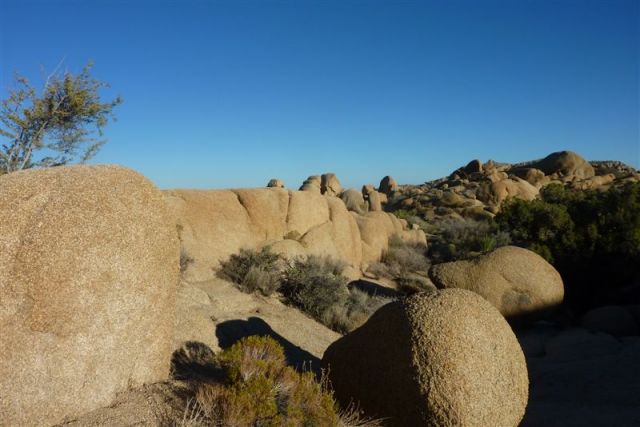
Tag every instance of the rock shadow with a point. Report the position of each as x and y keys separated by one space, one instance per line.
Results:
x=195 y=361
x=373 y=289
x=232 y=331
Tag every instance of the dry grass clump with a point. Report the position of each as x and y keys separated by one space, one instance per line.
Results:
x=357 y=309
x=404 y=263
x=254 y=271
x=260 y=390
x=315 y=285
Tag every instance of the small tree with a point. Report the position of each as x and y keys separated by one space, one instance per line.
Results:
x=55 y=126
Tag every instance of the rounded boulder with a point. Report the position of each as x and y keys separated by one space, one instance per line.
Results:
x=88 y=273
x=517 y=281
x=445 y=358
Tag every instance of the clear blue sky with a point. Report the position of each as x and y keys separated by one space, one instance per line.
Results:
x=232 y=93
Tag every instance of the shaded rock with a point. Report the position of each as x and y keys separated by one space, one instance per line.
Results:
x=88 y=273
x=354 y=201
x=474 y=166
x=518 y=282
x=533 y=176
x=388 y=186
x=275 y=183
x=565 y=163
x=614 y=320
x=313 y=184
x=441 y=358
x=330 y=185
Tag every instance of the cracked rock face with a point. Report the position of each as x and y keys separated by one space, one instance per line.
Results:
x=446 y=358
x=517 y=281
x=89 y=264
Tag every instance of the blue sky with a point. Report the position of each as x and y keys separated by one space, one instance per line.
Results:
x=231 y=93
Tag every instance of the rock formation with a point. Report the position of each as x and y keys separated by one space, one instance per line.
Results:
x=214 y=224
x=518 y=282
x=443 y=358
x=388 y=186
x=330 y=185
x=88 y=273
x=275 y=183
x=311 y=184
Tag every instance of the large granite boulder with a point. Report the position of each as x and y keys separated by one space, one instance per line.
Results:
x=565 y=164
x=442 y=359
x=517 y=281
x=89 y=264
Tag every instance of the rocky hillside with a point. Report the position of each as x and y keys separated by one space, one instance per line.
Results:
x=478 y=189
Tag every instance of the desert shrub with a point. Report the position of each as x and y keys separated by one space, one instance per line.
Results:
x=591 y=237
x=357 y=309
x=315 y=284
x=254 y=271
x=260 y=390
x=460 y=239
x=402 y=262
x=405 y=213
x=402 y=257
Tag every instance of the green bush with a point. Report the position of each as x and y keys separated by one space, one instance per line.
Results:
x=460 y=239
x=260 y=390
x=591 y=237
x=254 y=271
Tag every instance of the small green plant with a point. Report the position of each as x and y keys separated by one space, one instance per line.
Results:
x=254 y=271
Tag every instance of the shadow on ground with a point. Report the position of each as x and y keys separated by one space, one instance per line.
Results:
x=232 y=331
x=373 y=289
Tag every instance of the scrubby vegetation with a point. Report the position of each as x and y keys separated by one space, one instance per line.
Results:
x=591 y=237
x=459 y=239
x=254 y=271
x=404 y=263
x=258 y=389
x=315 y=285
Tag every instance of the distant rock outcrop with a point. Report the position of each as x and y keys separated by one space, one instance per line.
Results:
x=214 y=224
x=330 y=185
x=443 y=358
x=388 y=186
x=565 y=164
x=517 y=281
x=88 y=273
x=311 y=184
x=275 y=183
